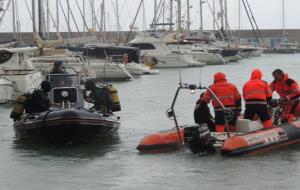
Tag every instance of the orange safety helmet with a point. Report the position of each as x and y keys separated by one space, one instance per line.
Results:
x=219 y=76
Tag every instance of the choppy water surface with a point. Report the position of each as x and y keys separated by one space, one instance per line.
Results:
x=116 y=164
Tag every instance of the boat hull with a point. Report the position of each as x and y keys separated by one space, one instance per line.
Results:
x=263 y=140
x=250 y=52
x=106 y=70
x=210 y=58
x=66 y=125
x=176 y=61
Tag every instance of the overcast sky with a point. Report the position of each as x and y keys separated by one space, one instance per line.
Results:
x=268 y=14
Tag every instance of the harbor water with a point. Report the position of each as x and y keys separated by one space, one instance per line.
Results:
x=114 y=163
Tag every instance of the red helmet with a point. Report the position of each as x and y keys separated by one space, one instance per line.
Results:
x=219 y=76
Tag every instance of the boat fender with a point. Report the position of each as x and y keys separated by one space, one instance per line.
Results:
x=198 y=139
x=18 y=108
x=115 y=98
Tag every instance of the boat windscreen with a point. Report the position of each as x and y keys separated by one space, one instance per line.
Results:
x=63 y=80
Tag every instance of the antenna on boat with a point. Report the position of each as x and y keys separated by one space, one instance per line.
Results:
x=180 y=77
x=200 y=77
x=178 y=60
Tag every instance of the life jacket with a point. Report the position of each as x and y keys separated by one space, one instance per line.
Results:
x=256 y=91
x=226 y=92
x=287 y=87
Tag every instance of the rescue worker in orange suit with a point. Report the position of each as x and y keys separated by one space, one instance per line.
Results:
x=289 y=92
x=257 y=94
x=229 y=96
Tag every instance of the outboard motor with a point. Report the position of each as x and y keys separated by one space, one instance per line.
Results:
x=276 y=109
x=198 y=139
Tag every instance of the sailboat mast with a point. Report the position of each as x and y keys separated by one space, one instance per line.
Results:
x=83 y=20
x=33 y=17
x=144 y=17
x=188 y=17
x=118 y=21
x=14 y=19
x=48 y=20
x=239 y=21
x=222 y=13
x=57 y=17
x=201 y=16
x=163 y=6
x=69 y=30
x=155 y=16
x=93 y=17
x=283 y=20
x=179 y=15
x=103 y=19
x=214 y=15
x=41 y=18
x=171 y=15
x=225 y=15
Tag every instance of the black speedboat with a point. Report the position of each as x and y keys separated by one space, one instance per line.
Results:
x=67 y=120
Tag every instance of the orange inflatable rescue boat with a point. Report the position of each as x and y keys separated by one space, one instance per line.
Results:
x=254 y=142
x=249 y=138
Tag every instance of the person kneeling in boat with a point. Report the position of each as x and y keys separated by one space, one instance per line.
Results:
x=257 y=94
x=289 y=92
x=34 y=102
x=99 y=96
x=202 y=114
x=228 y=95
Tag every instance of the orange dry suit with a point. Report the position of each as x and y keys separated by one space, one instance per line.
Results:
x=256 y=94
x=229 y=96
x=288 y=90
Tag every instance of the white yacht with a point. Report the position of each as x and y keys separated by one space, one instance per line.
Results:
x=250 y=51
x=100 y=65
x=90 y=67
x=16 y=67
x=284 y=48
x=45 y=63
x=105 y=69
x=128 y=56
x=140 y=69
x=157 y=47
x=198 y=53
x=208 y=42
